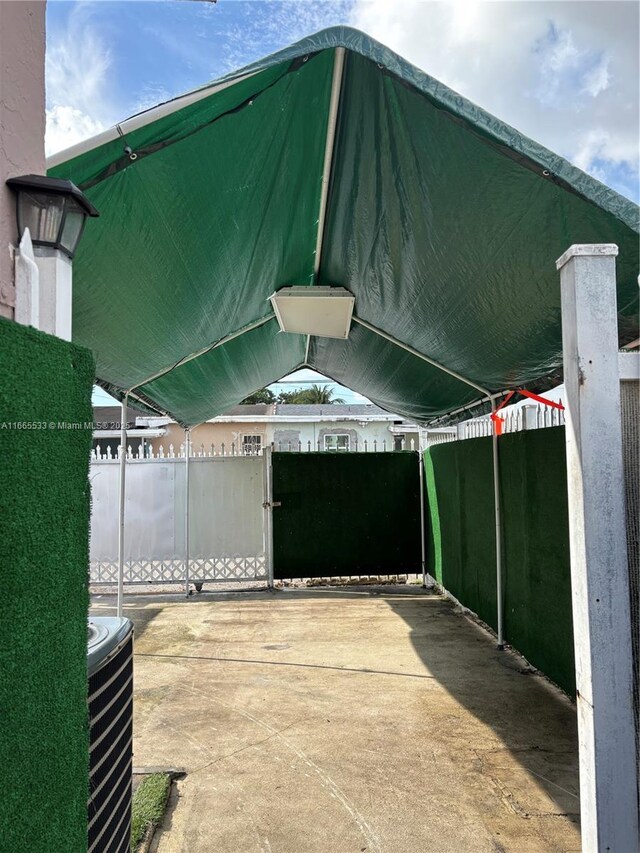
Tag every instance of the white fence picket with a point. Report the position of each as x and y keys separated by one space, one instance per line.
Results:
x=530 y=416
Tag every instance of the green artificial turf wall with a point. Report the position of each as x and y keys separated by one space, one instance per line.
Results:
x=536 y=568
x=44 y=541
x=346 y=514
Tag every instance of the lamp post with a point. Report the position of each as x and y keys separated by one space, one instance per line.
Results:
x=54 y=211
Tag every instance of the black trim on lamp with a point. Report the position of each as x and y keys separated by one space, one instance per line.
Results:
x=54 y=211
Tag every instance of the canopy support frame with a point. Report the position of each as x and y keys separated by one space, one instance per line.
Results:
x=187 y=454
x=484 y=391
x=495 y=459
x=142 y=119
x=209 y=348
x=423 y=555
x=332 y=121
x=121 y=510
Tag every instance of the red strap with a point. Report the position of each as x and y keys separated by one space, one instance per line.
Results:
x=498 y=422
x=540 y=399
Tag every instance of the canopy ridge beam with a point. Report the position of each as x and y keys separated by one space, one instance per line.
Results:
x=484 y=391
x=204 y=351
x=147 y=403
x=332 y=120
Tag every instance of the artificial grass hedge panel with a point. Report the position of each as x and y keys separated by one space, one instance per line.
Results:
x=346 y=514
x=537 y=590
x=536 y=567
x=461 y=551
x=44 y=545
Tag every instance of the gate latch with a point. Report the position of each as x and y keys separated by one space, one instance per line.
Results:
x=271 y=504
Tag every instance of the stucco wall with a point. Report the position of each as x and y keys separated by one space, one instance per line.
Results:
x=310 y=434
x=208 y=434
x=286 y=435
x=22 y=119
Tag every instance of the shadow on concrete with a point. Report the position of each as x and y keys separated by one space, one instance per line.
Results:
x=141 y=611
x=143 y=608
x=534 y=721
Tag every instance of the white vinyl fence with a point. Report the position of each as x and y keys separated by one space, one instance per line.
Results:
x=226 y=539
x=516 y=419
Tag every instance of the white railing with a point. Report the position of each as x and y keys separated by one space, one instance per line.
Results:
x=534 y=416
x=355 y=446
x=172 y=452
x=99 y=454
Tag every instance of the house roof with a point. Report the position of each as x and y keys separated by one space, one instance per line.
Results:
x=110 y=417
x=333 y=409
x=251 y=409
x=289 y=412
x=292 y=412
x=332 y=162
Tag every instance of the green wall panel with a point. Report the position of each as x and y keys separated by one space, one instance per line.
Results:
x=44 y=544
x=537 y=592
x=460 y=494
x=536 y=569
x=346 y=514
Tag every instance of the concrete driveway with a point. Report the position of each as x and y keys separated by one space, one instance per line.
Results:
x=320 y=721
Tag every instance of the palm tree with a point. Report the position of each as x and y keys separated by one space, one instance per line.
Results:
x=263 y=395
x=316 y=395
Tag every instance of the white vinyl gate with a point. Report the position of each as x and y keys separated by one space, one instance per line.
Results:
x=226 y=528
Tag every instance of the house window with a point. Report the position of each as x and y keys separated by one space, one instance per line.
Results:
x=336 y=442
x=251 y=445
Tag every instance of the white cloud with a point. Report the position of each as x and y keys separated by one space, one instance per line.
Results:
x=67 y=126
x=598 y=79
x=77 y=66
x=270 y=25
x=563 y=73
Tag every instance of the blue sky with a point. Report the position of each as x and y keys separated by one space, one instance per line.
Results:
x=157 y=50
x=564 y=73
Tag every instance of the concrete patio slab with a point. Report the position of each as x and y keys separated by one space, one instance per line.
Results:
x=331 y=721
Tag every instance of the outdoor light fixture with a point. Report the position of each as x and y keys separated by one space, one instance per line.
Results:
x=53 y=210
x=324 y=312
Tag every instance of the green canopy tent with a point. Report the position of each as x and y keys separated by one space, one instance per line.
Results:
x=333 y=162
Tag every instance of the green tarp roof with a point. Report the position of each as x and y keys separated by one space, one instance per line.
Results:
x=443 y=222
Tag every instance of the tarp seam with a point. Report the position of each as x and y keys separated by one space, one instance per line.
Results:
x=125 y=161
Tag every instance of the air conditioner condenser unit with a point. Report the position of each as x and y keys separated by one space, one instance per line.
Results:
x=110 y=698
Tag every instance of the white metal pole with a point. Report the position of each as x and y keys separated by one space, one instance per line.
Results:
x=121 y=520
x=204 y=350
x=422 y=528
x=142 y=119
x=484 y=391
x=187 y=454
x=265 y=506
x=498 y=524
x=269 y=516
x=597 y=540
x=332 y=121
